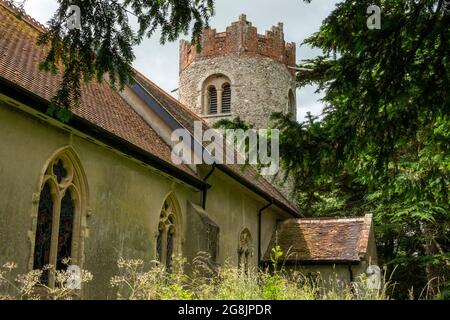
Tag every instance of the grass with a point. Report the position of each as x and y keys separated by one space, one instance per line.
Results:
x=203 y=282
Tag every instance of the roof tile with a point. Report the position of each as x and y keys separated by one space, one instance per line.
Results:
x=322 y=239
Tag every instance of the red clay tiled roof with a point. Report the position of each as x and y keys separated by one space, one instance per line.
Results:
x=100 y=105
x=322 y=239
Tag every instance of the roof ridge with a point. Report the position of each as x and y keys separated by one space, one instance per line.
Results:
x=331 y=219
x=9 y=5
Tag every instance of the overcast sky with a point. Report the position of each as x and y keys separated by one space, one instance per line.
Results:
x=160 y=63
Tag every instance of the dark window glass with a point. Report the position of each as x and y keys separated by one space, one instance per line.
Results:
x=170 y=238
x=43 y=232
x=65 y=230
x=159 y=245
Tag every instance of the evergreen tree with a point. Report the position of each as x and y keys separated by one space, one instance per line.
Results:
x=382 y=144
x=103 y=45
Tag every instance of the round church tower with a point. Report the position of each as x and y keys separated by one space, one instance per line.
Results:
x=239 y=73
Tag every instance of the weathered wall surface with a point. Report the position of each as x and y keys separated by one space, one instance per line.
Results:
x=259 y=86
x=233 y=208
x=125 y=199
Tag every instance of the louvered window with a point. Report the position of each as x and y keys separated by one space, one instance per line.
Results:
x=212 y=98
x=226 y=98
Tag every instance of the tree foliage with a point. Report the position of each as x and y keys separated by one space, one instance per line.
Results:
x=382 y=144
x=103 y=46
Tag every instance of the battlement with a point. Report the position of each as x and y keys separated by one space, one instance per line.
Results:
x=240 y=37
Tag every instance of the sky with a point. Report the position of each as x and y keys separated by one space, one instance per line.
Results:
x=160 y=62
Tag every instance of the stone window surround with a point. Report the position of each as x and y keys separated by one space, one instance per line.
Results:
x=76 y=181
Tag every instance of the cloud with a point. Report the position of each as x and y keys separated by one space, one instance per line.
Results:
x=160 y=63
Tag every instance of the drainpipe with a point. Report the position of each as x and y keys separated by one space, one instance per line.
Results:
x=350 y=271
x=259 y=230
x=205 y=190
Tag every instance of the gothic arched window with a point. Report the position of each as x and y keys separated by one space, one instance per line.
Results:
x=212 y=100
x=292 y=106
x=58 y=222
x=245 y=250
x=226 y=98
x=167 y=243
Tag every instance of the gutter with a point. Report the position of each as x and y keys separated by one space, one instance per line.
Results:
x=205 y=191
x=260 y=211
x=40 y=104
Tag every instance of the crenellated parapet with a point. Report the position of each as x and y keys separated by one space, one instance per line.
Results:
x=241 y=37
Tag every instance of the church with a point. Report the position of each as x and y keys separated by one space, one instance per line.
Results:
x=102 y=186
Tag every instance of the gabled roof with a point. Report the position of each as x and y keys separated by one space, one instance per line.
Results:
x=322 y=240
x=104 y=108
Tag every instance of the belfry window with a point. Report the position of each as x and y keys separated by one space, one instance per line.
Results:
x=58 y=222
x=212 y=98
x=226 y=98
x=217 y=95
x=168 y=234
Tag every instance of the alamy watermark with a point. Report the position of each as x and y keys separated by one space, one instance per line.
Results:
x=74 y=18
x=374 y=20
x=256 y=147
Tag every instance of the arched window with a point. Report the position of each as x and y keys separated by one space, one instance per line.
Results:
x=58 y=223
x=226 y=98
x=212 y=99
x=245 y=250
x=168 y=241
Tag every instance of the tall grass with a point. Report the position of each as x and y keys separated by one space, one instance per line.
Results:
x=230 y=283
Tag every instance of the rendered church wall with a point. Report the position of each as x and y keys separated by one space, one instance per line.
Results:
x=125 y=201
x=125 y=198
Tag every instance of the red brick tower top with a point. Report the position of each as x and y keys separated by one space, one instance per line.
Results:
x=240 y=37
